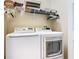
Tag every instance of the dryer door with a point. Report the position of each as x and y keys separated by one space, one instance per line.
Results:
x=52 y=47
x=25 y=47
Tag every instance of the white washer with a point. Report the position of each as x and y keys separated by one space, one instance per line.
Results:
x=37 y=45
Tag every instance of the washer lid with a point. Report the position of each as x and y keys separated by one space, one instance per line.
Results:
x=21 y=34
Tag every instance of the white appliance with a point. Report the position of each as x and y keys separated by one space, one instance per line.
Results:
x=36 y=45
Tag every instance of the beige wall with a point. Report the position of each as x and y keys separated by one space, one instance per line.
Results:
x=28 y=19
x=33 y=20
x=62 y=8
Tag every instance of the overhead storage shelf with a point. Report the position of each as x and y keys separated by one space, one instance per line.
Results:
x=33 y=7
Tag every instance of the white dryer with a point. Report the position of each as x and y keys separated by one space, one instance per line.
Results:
x=36 y=45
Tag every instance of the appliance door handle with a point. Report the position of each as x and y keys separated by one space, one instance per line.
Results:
x=22 y=36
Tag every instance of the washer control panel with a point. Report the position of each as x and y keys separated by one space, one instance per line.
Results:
x=24 y=29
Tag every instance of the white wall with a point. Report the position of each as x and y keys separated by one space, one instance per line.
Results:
x=71 y=29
